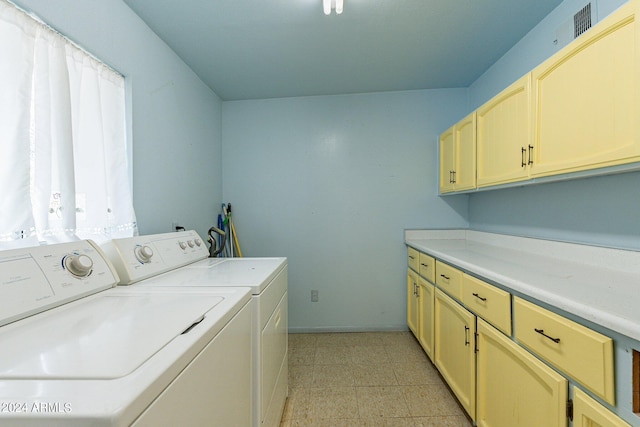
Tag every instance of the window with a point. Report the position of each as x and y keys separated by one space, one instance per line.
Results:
x=63 y=162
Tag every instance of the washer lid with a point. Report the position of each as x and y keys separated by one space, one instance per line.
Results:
x=100 y=337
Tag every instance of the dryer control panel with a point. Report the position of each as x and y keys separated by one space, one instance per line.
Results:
x=140 y=257
x=36 y=279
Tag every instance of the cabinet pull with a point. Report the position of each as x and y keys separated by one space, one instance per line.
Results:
x=415 y=289
x=454 y=177
x=424 y=265
x=522 y=153
x=445 y=277
x=530 y=161
x=479 y=297
x=466 y=335
x=411 y=257
x=541 y=332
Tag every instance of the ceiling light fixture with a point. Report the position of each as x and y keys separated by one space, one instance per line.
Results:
x=327 y=5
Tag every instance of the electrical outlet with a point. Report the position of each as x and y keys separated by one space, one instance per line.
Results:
x=314 y=295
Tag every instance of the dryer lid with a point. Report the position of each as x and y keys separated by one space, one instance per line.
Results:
x=256 y=273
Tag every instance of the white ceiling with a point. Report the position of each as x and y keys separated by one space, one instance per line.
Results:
x=254 y=49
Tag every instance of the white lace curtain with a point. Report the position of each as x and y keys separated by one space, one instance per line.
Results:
x=63 y=160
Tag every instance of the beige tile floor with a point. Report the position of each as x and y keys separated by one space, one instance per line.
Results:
x=373 y=379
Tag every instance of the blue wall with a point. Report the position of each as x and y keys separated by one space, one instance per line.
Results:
x=175 y=117
x=331 y=183
x=600 y=210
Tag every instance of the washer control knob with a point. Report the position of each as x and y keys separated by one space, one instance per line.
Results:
x=78 y=265
x=183 y=245
x=143 y=253
x=190 y=243
x=198 y=242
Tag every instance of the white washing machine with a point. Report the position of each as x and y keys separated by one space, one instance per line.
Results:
x=139 y=260
x=77 y=351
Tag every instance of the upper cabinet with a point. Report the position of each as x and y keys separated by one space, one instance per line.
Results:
x=458 y=156
x=504 y=135
x=447 y=160
x=575 y=112
x=586 y=99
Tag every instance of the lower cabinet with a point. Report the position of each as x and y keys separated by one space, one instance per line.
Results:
x=426 y=315
x=420 y=298
x=579 y=352
x=455 y=329
x=514 y=387
x=506 y=376
x=412 y=301
x=589 y=413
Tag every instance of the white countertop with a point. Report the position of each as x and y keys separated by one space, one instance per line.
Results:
x=601 y=285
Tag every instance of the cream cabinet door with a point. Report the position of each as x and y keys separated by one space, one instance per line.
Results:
x=426 y=318
x=454 y=349
x=504 y=135
x=464 y=171
x=446 y=161
x=514 y=387
x=586 y=99
x=412 y=301
x=458 y=156
x=589 y=413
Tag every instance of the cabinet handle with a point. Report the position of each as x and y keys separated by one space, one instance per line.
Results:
x=466 y=335
x=424 y=265
x=454 y=177
x=530 y=162
x=415 y=289
x=445 y=277
x=479 y=297
x=541 y=332
x=522 y=153
x=411 y=257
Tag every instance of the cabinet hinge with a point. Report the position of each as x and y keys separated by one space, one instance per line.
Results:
x=476 y=339
x=570 y=409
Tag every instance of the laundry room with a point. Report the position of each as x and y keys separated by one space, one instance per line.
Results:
x=333 y=160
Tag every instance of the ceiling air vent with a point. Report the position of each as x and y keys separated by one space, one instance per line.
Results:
x=581 y=21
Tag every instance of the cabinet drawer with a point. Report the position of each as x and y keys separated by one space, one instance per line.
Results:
x=581 y=353
x=427 y=267
x=488 y=302
x=413 y=258
x=449 y=279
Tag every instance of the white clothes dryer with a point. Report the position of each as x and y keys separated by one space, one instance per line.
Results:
x=266 y=277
